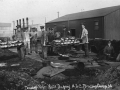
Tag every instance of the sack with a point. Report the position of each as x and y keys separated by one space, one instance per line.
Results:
x=118 y=57
x=19 y=46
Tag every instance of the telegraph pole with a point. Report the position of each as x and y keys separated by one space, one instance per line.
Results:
x=58 y=14
x=32 y=22
x=45 y=19
x=13 y=27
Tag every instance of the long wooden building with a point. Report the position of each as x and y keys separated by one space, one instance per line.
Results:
x=100 y=23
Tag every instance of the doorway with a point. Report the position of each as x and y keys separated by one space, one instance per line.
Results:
x=72 y=32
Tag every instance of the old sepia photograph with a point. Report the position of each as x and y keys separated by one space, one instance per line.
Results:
x=59 y=44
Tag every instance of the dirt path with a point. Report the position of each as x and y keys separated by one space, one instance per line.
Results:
x=87 y=76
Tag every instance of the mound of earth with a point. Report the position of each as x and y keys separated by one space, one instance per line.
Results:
x=6 y=54
x=13 y=80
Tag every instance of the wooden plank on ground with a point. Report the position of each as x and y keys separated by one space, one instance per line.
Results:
x=52 y=72
x=112 y=63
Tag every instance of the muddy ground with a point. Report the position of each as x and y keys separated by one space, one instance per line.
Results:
x=19 y=75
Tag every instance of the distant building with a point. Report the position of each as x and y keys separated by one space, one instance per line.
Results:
x=5 y=30
x=100 y=23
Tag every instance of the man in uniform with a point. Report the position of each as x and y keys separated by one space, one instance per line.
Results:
x=34 y=41
x=43 y=42
x=84 y=38
x=20 y=48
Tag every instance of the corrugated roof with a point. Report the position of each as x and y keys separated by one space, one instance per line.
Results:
x=87 y=14
x=5 y=24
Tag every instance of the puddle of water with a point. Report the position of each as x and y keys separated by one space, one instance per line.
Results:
x=17 y=64
x=3 y=64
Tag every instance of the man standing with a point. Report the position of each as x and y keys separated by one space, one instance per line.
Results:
x=84 y=38
x=43 y=43
x=34 y=41
x=27 y=41
x=20 y=48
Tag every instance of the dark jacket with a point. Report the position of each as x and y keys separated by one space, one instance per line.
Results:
x=109 y=50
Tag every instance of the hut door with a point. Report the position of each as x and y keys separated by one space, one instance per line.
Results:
x=72 y=32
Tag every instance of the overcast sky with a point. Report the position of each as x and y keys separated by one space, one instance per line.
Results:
x=37 y=10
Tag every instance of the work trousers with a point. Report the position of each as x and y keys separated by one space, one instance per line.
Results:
x=86 y=50
x=21 y=52
x=27 y=46
x=110 y=57
x=34 y=46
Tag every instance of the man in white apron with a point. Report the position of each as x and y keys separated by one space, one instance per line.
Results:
x=27 y=41
x=84 y=38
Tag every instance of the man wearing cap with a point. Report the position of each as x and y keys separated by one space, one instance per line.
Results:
x=19 y=36
x=43 y=43
x=34 y=40
x=84 y=38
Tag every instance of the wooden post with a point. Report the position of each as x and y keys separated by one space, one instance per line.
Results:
x=44 y=51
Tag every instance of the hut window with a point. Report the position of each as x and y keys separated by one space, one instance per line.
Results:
x=96 y=25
